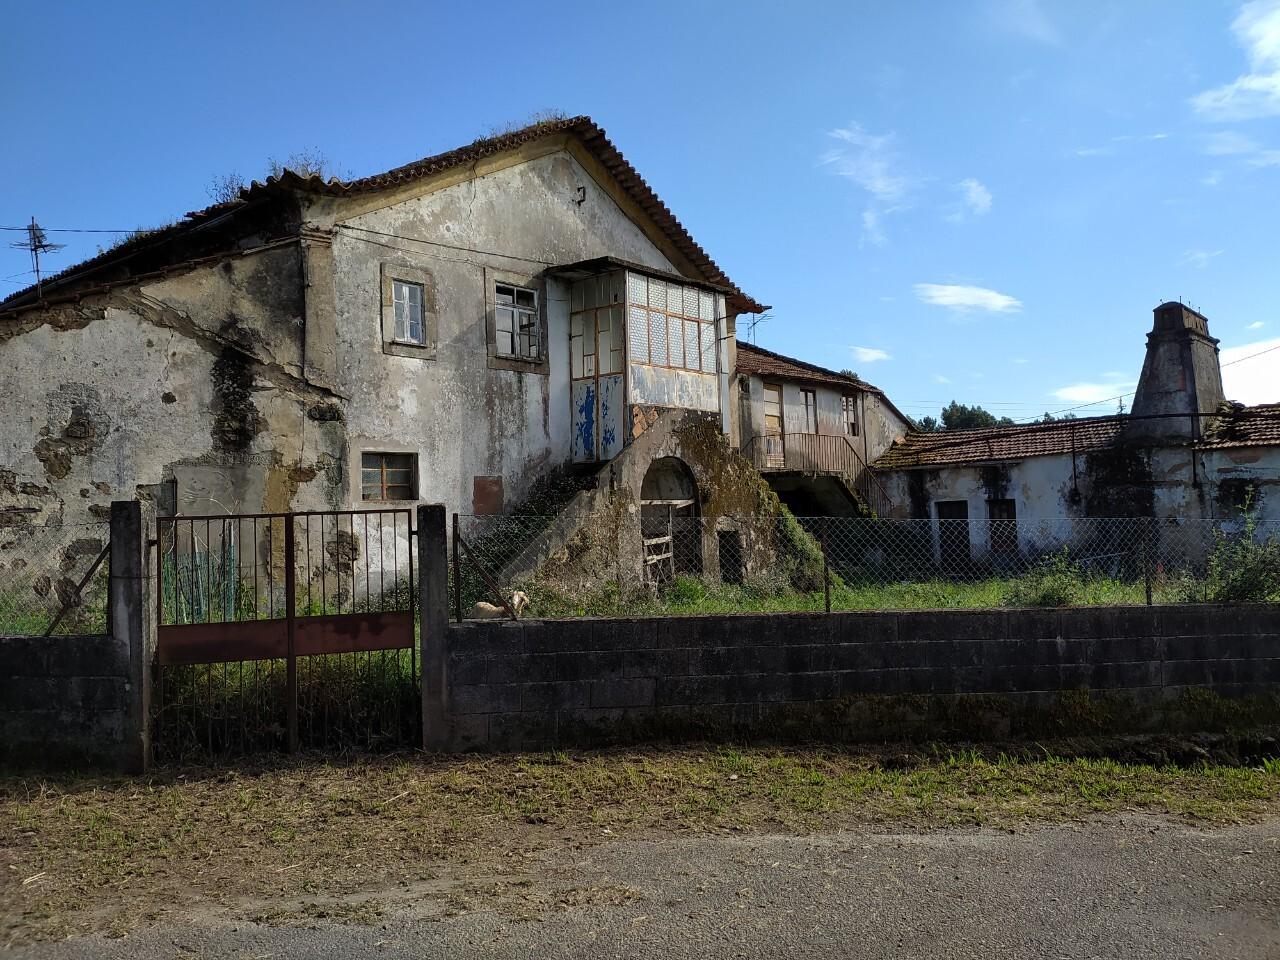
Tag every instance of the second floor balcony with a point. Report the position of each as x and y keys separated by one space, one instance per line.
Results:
x=817 y=454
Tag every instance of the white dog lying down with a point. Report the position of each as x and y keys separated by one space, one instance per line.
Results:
x=490 y=611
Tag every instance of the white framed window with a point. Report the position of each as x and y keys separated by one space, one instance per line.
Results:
x=518 y=334
x=407 y=300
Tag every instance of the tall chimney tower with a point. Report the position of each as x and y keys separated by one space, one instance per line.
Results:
x=1180 y=375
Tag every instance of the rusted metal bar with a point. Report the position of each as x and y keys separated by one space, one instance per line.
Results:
x=75 y=594
x=291 y=663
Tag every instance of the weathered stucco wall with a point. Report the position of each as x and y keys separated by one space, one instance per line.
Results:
x=463 y=417
x=1120 y=482
x=191 y=384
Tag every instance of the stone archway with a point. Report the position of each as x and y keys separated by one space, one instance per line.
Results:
x=669 y=521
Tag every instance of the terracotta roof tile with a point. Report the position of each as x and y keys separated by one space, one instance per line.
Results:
x=1237 y=427
x=1242 y=426
x=584 y=128
x=766 y=363
x=995 y=444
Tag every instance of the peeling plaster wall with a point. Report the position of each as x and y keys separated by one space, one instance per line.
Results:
x=463 y=417
x=1122 y=482
x=192 y=378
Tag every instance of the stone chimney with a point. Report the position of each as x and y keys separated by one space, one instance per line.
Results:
x=1180 y=375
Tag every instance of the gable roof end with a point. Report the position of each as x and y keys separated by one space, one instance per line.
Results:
x=591 y=136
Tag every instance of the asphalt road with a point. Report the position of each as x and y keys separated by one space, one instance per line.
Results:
x=1132 y=887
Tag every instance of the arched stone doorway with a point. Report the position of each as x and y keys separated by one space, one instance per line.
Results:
x=669 y=520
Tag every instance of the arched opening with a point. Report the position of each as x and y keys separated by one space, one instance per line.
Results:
x=669 y=521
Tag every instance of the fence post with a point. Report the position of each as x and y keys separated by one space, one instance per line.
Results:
x=126 y=620
x=826 y=566
x=433 y=614
x=1146 y=556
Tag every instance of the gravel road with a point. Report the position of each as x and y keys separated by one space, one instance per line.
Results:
x=1130 y=887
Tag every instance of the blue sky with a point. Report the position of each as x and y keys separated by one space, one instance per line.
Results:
x=980 y=201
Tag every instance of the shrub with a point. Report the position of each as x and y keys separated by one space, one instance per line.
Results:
x=685 y=591
x=1055 y=582
x=1240 y=570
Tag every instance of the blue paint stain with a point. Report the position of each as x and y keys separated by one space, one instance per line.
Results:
x=587 y=422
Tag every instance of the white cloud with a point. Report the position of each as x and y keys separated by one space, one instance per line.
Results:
x=872 y=162
x=1020 y=360
x=1094 y=151
x=976 y=197
x=872 y=232
x=965 y=298
x=1257 y=93
x=1212 y=179
x=1228 y=143
x=869 y=354
x=1255 y=380
x=1025 y=18
x=1198 y=258
x=1087 y=392
x=939 y=378
x=1256 y=325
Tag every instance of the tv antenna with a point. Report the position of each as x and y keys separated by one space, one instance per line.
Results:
x=36 y=244
x=755 y=321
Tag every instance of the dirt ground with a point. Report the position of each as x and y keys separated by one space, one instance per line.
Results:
x=350 y=843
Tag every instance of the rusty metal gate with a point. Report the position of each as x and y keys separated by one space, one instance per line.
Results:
x=285 y=630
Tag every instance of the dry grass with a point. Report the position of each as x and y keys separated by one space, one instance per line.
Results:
x=103 y=854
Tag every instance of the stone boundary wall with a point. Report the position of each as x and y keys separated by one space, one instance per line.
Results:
x=83 y=701
x=973 y=674
x=64 y=702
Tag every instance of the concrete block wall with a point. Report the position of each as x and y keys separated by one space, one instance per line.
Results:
x=64 y=702
x=859 y=676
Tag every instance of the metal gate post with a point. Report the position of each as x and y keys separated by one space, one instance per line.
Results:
x=291 y=664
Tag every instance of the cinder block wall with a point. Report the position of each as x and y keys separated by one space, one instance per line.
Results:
x=858 y=676
x=64 y=702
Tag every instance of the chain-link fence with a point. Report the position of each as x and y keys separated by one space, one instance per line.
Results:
x=664 y=562
x=54 y=576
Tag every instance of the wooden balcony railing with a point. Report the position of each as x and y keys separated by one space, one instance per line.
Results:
x=818 y=454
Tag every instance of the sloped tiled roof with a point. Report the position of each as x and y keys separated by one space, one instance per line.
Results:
x=996 y=444
x=766 y=363
x=1238 y=426
x=587 y=131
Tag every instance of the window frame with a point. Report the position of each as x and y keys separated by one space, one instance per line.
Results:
x=537 y=287
x=849 y=407
x=809 y=403
x=675 y=322
x=399 y=271
x=413 y=482
x=406 y=339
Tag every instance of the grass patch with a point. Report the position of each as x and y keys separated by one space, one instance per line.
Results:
x=81 y=854
x=689 y=595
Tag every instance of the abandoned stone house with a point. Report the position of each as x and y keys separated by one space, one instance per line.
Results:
x=1183 y=452
x=454 y=330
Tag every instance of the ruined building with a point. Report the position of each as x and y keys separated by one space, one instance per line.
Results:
x=456 y=330
x=1183 y=452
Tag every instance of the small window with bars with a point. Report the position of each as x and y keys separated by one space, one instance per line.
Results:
x=388 y=476
x=407 y=298
x=516 y=328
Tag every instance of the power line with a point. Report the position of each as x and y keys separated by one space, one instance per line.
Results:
x=69 y=230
